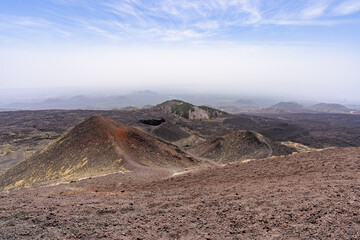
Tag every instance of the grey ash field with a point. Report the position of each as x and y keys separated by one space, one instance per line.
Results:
x=178 y=171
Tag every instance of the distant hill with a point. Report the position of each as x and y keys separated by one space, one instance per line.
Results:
x=330 y=108
x=291 y=106
x=130 y=108
x=190 y=111
x=96 y=147
x=269 y=111
x=148 y=106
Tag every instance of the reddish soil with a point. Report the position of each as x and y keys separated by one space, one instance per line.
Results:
x=304 y=196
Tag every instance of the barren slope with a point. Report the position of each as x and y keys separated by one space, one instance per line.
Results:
x=233 y=147
x=330 y=108
x=96 y=147
x=305 y=196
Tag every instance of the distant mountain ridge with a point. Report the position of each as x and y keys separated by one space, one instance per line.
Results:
x=291 y=106
x=137 y=99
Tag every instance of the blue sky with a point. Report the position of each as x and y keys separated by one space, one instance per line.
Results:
x=282 y=43
x=139 y=21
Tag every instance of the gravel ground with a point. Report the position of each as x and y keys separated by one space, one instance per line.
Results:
x=304 y=196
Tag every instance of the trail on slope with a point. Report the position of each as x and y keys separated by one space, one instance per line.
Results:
x=206 y=160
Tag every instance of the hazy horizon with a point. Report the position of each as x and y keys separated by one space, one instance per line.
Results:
x=288 y=50
x=95 y=98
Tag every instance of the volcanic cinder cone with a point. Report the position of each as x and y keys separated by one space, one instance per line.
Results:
x=96 y=147
x=236 y=146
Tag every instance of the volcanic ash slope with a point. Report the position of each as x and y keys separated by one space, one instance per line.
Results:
x=233 y=147
x=96 y=147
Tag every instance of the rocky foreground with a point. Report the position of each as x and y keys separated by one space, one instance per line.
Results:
x=304 y=196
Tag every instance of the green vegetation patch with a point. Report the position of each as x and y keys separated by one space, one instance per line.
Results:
x=182 y=109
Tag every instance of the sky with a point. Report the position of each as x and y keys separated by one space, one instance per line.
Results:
x=294 y=49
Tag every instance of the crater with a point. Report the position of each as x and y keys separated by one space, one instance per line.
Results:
x=152 y=122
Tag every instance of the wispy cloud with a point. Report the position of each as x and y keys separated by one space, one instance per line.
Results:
x=23 y=21
x=207 y=25
x=315 y=10
x=176 y=35
x=300 y=22
x=347 y=7
x=174 y=20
